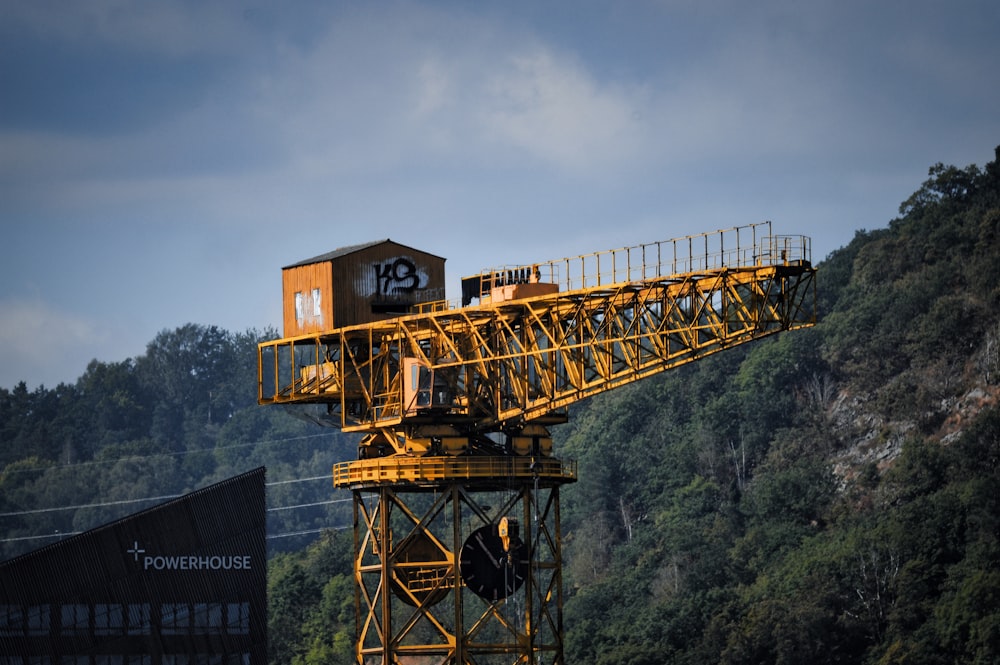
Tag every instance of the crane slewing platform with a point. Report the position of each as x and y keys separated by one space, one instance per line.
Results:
x=454 y=404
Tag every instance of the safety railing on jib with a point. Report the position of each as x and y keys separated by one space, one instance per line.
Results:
x=738 y=247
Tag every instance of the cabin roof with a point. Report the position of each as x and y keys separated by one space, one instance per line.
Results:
x=351 y=249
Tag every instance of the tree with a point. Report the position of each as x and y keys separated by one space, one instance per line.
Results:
x=186 y=368
x=947 y=184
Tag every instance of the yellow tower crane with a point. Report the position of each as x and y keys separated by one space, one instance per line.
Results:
x=457 y=546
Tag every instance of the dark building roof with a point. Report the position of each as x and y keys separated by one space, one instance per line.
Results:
x=185 y=577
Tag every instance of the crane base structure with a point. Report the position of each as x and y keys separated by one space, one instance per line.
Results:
x=421 y=549
x=458 y=554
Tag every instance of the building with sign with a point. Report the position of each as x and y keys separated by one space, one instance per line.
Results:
x=182 y=583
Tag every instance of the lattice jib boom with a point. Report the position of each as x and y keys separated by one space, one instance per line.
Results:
x=498 y=366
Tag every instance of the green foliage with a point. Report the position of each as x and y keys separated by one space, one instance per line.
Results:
x=750 y=548
x=946 y=185
x=311 y=603
x=178 y=418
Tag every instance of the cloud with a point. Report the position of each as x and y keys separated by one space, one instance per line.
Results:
x=378 y=93
x=417 y=89
x=222 y=142
x=45 y=345
x=173 y=29
x=552 y=109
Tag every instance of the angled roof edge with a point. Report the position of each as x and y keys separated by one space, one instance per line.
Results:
x=82 y=536
x=350 y=249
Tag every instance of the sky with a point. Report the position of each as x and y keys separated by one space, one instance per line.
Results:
x=161 y=161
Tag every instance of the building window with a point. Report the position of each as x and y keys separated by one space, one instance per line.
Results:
x=215 y=617
x=37 y=660
x=38 y=620
x=109 y=659
x=200 y=618
x=76 y=619
x=207 y=618
x=11 y=620
x=317 y=311
x=176 y=618
x=309 y=307
x=114 y=659
x=138 y=619
x=209 y=659
x=238 y=618
x=109 y=619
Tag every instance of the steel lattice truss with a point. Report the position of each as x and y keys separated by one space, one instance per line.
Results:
x=432 y=391
x=406 y=567
x=520 y=361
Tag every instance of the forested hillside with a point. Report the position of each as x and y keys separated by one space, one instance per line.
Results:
x=825 y=496
x=130 y=433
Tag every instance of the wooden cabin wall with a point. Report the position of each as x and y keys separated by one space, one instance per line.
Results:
x=374 y=283
x=307 y=280
x=384 y=281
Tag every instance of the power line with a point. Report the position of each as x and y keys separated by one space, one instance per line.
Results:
x=105 y=504
x=49 y=535
x=73 y=533
x=175 y=453
x=298 y=480
x=88 y=505
x=310 y=531
x=269 y=537
x=308 y=505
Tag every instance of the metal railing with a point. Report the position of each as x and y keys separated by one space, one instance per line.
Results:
x=299 y=368
x=738 y=247
x=422 y=470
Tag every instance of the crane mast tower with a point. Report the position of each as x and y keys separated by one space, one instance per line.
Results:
x=457 y=545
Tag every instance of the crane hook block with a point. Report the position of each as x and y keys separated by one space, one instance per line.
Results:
x=509 y=532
